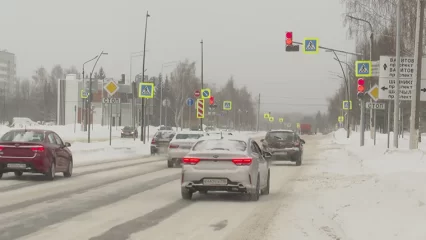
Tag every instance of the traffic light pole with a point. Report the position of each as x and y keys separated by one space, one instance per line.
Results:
x=361 y=133
x=202 y=81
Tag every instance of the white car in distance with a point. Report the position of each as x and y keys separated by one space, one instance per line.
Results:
x=181 y=144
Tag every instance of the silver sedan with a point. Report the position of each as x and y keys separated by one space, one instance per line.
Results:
x=229 y=164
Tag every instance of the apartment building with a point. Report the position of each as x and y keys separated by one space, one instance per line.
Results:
x=7 y=66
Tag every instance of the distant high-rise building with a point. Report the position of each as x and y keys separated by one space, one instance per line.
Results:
x=7 y=66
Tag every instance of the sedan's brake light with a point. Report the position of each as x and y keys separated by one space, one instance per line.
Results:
x=296 y=144
x=1 y=148
x=190 y=161
x=173 y=146
x=242 y=161
x=38 y=149
x=153 y=141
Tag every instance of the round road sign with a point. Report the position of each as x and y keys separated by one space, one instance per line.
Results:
x=197 y=93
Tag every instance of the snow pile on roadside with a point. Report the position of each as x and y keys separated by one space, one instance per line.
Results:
x=101 y=151
x=353 y=192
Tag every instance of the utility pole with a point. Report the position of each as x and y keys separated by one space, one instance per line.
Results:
x=415 y=95
x=398 y=64
x=202 y=73
x=258 y=114
x=143 y=138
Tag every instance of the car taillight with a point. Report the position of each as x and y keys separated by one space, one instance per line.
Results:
x=153 y=141
x=173 y=146
x=296 y=144
x=38 y=149
x=1 y=148
x=190 y=161
x=242 y=161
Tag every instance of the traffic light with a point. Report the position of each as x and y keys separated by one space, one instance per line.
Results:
x=211 y=100
x=289 y=43
x=289 y=38
x=361 y=87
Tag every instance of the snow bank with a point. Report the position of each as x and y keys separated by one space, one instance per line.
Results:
x=377 y=193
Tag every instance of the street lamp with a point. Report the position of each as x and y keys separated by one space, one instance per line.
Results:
x=83 y=100
x=89 y=107
x=143 y=79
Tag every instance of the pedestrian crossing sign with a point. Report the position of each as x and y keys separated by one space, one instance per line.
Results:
x=271 y=119
x=347 y=105
x=227 y=105
x=363 y=69
x=281 y=120
x=311 y=45
x=266 y=115
x=340 y=119
x=146 y=90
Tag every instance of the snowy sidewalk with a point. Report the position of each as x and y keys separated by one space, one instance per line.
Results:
x=356 y=192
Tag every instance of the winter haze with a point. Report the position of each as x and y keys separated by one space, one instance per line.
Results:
x=245 y=39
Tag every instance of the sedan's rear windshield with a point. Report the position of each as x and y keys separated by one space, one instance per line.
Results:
x=164 y=135
x=188 y=136
x=286 y=136
x=221 y=144
x=23 y=136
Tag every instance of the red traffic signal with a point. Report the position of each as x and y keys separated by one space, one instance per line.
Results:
x=361 y=87
x=289 y=38
x=211 y=100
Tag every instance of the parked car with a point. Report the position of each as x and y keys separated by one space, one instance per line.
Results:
x=35 y=151
x=181 y=144
x=160 y=141
x=162 y=128
x=229 y=164
x=284 y=145
x=129 y=131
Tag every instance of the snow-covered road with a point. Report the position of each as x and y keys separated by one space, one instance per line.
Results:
x=140 y=199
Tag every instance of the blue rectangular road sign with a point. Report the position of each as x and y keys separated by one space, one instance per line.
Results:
x=311 y=45
x=363 y=69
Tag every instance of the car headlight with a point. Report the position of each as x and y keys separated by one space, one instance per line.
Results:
x=131 y=132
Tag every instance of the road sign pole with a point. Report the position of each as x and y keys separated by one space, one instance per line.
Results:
x=398 y=65
x=110 y=123
x=375 y=129
x=415 y=99
x=362 y=123
x=389 y=119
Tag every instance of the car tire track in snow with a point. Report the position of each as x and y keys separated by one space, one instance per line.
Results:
x=124 y=231
x=12 y=229
x=67 y=193
x=39 y=179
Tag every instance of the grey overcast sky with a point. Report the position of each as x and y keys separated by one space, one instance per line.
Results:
x=243 y=38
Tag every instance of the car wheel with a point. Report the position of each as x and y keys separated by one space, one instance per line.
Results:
x=265 y=191
x=299 y=160
x=170 y=163
x=50 y=175
x=186 y=194
x=254 y=195
x=18 y=174
x=68 y=173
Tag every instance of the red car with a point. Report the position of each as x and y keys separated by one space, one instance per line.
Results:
x=35 y=151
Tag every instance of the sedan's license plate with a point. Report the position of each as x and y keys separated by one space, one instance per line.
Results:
x=185 y=147
x=16 y=165
x=215 y=181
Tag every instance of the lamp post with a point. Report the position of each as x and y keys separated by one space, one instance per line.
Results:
x=372 y=126
x=84 y=100
x=143 y=138
x=89 y=105
x=202 y=75
x=130 y=77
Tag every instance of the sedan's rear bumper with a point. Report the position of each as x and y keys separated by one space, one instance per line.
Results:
x=33 y=166
x=238 y=180
x=284 y=154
